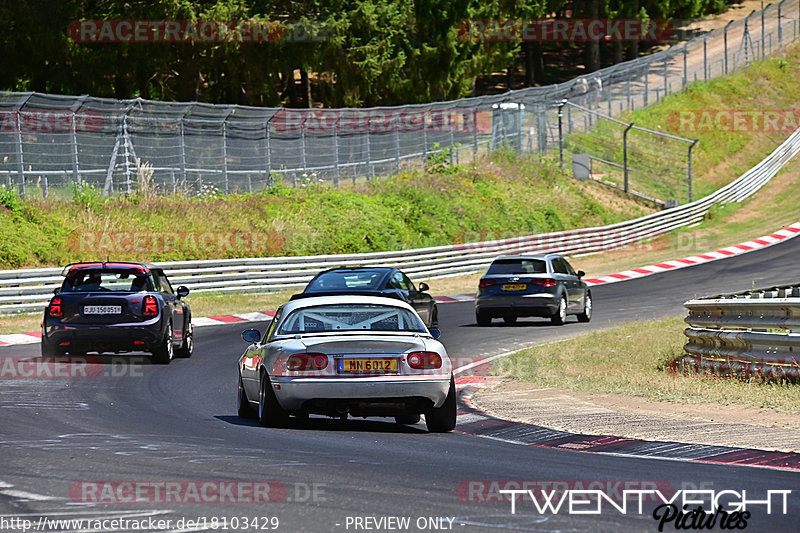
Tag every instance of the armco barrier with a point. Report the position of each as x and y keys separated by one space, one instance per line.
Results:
x=29 y=290
x=748 y=334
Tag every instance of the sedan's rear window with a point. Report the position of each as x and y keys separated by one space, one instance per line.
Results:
x=343 y=280
x=105 y=281
x=350 y=318
x=518 y=266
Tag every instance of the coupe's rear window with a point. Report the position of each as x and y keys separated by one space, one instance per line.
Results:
x=105 y=281
x=344 y=280
x=350 y=318
x=518 y=266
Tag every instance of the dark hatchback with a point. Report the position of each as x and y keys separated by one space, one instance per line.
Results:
x=532 y=285
x=117 y=307
x=375 y=281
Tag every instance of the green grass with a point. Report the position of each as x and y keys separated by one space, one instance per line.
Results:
x=630 y=360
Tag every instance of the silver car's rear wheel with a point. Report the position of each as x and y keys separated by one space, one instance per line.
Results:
x=443 y=419
x=270 y=413
x=561 y=314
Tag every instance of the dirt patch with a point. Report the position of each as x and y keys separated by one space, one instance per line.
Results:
x=578 y=412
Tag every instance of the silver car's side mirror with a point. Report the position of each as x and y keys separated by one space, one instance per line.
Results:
x=251 y=335
x=581 y=273
x=435 y=333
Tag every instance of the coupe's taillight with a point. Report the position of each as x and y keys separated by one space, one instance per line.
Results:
x=55 y=308
x=424 y=360
x=487 y=283
x=543 y=282
x=150 y=306
x=306 y=361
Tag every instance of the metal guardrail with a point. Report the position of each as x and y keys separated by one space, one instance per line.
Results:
x=751 y=334
x=29 y=290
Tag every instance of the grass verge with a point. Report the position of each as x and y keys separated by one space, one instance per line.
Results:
x=630 y=360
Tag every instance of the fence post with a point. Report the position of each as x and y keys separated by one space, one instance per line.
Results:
x=268 y=153
x=303 y=143
x=474 y=133
x=126 y=154
x=75 y=174
x=628 y=94
x=780 y=31
x=705 y=58
x=646 y=83
x=225 y=154
x=337 y=175
x=763 y=34
x=183 y=154
x=396 y=146
x=561 y=105
x=20 y=162
x=685 y=74
x=666 y=80
x=370 y=168
x=689 y=168
x=725 y=46
x=625 y=154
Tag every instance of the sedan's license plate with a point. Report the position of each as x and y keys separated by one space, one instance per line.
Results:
x=102 y=310
x=515 y=287
x=361 y=365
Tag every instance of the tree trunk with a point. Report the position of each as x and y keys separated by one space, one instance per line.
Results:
x=592 y=50
x=306 y=83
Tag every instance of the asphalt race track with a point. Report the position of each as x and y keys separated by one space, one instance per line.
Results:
x=80 y=448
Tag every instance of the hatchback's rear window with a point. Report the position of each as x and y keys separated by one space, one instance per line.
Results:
x=105 y=281
x=346 y=280
x=518 y=266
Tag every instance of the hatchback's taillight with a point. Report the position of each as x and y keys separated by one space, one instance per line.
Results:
x=423 y=360
x=55 y=307
x=150 y=306
x=306 y=361
x=543 y=282
x=487 y=283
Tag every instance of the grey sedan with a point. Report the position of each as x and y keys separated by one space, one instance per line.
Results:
x=347 y=355
x=532 y=285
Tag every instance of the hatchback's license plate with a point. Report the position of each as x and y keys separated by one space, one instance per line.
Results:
x=515 y=287
x=102 y=310
x=372 y=365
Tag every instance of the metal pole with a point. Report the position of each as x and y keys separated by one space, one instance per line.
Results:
x=763 y=34
x=725 y=45
x=183 y=154
x=126 y=155
x=20 y=162
x=396 y=147
x=746 y=38
x=705 y=58
x=628 y=93
x=225 y=154
x=625 y=154
x=474 y=133
x=685 y=75
x=646 y=83
x=689 y=169
x=370 y=168
x=666 y=80
x=75 y=174
x=336 y=153
x=561 y=132
x=268 y=151
x=780 y=31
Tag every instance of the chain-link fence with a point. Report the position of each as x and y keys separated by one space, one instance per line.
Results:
x=50 y=143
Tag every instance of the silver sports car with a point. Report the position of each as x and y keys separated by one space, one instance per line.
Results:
x=339 y=355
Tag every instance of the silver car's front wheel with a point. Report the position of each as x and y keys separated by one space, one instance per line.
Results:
x=586 y=316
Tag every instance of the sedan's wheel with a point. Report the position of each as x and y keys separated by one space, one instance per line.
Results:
x=434 y=322
x=510 y=320
x=244 y=409
x=586 y=316
x=187 y=347
x=561 y=314
x=408 y=418
x=482 y=318
x=443 y=419
x=162 y=354
x=270 y=413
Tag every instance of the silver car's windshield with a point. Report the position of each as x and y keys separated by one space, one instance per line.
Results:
x=353 y=317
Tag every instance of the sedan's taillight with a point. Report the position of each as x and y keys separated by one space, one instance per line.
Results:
x=487 y=283
x=55 y=308
x=306 y=361
x=150 y=306
x=424 y=360
x=543 y=282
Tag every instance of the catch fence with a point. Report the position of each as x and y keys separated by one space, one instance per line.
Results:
x=51 y=143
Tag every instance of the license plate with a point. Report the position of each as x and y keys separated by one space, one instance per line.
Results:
x=515 y=287
x=102 y=310
x=359 y=365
